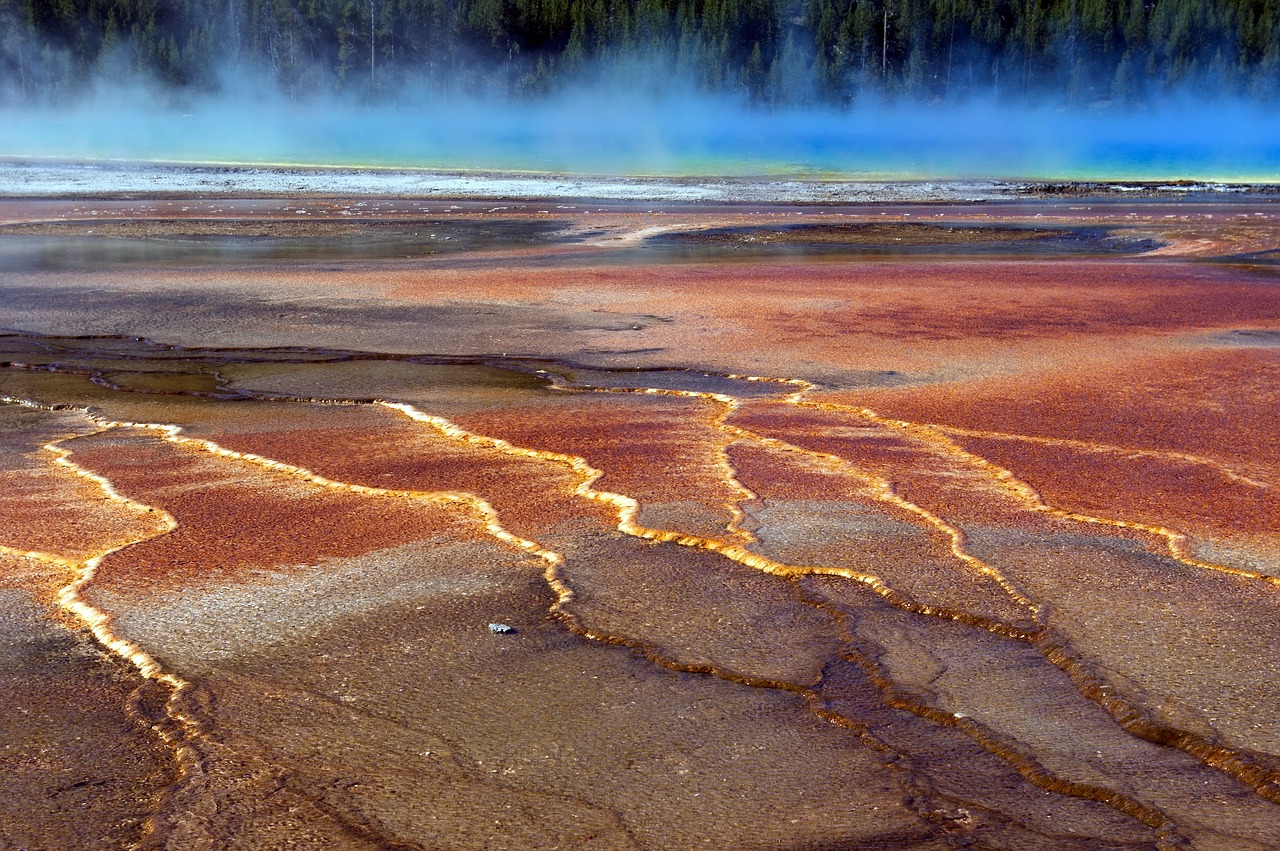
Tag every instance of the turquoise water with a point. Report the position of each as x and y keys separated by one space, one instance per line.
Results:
x=680 y=137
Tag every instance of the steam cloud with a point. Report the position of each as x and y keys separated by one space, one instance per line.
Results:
x=618 y=124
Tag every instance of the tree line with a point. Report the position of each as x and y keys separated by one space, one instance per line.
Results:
x=771 y=52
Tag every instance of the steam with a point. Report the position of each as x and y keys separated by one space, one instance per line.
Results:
x=615 y=123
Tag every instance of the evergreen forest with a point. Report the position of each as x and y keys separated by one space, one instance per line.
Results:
x=767 y=52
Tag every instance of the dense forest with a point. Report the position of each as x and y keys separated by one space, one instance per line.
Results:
x=772 y=52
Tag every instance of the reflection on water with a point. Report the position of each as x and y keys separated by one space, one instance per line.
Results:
x=742 y=616
x=906 y=239
x=452 y=240
x=20 y=252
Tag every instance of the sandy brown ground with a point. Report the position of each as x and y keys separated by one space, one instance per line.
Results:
x=395 y=524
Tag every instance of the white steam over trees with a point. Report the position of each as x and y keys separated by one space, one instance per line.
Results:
x=769 y=52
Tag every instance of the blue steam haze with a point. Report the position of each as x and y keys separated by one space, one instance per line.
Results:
x=616 y=133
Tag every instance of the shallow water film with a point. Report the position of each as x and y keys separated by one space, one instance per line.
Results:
x=377 y=524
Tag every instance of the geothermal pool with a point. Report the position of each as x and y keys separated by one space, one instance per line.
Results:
x=367 y=522
x=620 y=131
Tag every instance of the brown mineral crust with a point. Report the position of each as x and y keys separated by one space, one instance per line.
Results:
x=1104 y=571
x=971 y=784
x=624 y=575
x=397 y=717
x=1020 y=700
x=637 y=445
x=751 y=627
x=541 y=739
x=1196 y=645
x=866 y=445
x=80 y=771
x=275 y=519
x=810 y=516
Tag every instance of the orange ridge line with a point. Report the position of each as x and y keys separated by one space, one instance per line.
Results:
x=1237 y=764
x=565 y=594
x=626 y=506
x=98 y=622
x=488 y=515
x=1111 y=449
x=1176 y=543
x=627 y=509
x=885 y=492
x=1232 y=762
x=739 y=516
x=884 y=489
x=729 y=405
x=174 y=434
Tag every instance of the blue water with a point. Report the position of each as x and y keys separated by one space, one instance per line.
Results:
x=680 y=136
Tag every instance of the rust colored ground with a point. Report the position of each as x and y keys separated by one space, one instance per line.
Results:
x=589 y=530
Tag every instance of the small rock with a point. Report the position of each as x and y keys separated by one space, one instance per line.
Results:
x=501 y=628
